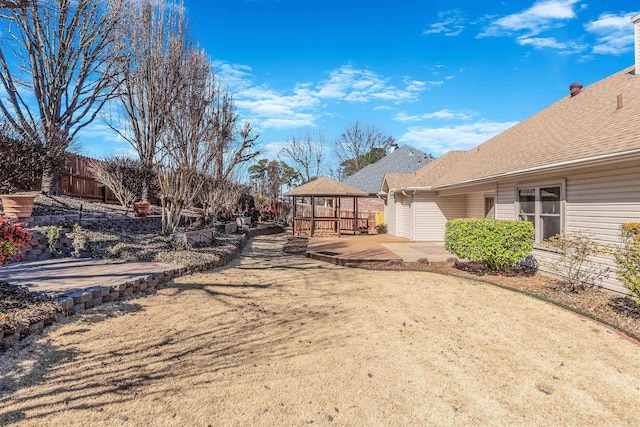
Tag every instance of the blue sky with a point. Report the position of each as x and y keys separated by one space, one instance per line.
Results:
x=436 y=75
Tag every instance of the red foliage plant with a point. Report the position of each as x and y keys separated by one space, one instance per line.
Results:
x=13 y=237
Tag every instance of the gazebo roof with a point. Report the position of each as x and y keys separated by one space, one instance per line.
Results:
x=325 y=186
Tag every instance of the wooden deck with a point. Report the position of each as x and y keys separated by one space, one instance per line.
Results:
x=373 y=248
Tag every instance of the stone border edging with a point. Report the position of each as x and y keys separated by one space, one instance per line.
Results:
x=84 y=299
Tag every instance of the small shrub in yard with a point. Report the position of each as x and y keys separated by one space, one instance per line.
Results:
x=381 y=228
x=628 y=258
x=423 y=261
x=529 y=265
x=498 y=244
x=126 y=178
x=52 y=233
x=13 y=237
x=573 y=263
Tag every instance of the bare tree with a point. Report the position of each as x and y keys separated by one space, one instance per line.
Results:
x=360 y=145
x=233 y=146
x=153 y=40
x=218 y=198
x=124 y=176
x=54 y=66
x=187 y=149
x=13 y=4
x=306 y=154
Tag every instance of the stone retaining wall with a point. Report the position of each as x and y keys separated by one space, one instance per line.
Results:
x=128 y=224
x=77 y=301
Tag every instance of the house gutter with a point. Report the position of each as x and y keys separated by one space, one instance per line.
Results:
x=585 y=161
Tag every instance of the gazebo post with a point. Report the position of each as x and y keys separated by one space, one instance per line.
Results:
x=313 y=214
x=355 y=215
x=339 y=218
x=294 y=215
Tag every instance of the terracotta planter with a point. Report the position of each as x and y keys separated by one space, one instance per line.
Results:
x=141 y=209
x=17 y=205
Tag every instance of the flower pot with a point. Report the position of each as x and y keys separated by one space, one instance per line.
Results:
x=17 y=205
x=141 y=209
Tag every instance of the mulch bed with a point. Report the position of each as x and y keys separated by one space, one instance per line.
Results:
x=19 y=308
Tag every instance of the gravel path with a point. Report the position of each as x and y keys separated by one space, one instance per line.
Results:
x=283 y=340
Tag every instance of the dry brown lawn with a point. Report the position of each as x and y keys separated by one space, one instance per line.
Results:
x=280 y=340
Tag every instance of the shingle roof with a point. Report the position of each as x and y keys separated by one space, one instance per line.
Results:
x=572 y=129
x=402 y=160
x=325 y=186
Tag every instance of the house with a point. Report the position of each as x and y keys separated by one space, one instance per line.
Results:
x=574 y=166
x=404 y=159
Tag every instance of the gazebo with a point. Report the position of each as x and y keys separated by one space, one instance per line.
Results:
x=328 y=218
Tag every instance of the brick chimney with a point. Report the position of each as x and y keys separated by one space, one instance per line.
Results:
x=636 y=38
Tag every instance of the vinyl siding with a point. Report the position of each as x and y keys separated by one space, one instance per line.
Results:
x=488 y=187
x=404 y=216
x=390 y=214
x=432 y=212
x=505 y=201
x=597 y=202
x=475 y=204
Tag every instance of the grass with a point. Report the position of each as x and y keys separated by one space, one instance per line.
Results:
x=284 y=340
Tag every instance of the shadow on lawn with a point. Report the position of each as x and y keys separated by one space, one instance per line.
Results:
x=239 y=332
x=34 y=358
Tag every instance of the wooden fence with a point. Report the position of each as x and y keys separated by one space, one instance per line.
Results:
x=77 y=180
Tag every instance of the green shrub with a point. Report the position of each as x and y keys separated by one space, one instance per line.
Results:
x=52 y=232
x=498 y=244
x=572 y=262
x=628 y=258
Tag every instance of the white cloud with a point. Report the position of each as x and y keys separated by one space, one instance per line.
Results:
x=441 y=114
x=451 y=23
x=550 y=43
x=272 y=149
x=542 y=16
x=233 y=75
x=294 y=121
x=355 y=85
x=300 y=106
x=438 y=141
x=614 y=33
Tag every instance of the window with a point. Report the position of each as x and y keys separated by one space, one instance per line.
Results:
x=542 y=206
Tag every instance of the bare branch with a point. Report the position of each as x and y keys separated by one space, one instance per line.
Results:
x=65 y=47
x=356 y=145
x=306 y=153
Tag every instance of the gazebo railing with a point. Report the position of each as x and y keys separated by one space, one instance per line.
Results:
x=329 y=226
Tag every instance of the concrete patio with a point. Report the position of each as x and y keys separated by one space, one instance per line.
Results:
x=70 y=274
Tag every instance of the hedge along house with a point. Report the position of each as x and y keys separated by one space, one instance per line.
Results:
x=572 y=167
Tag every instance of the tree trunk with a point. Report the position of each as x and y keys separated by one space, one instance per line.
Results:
x=50 y=178
x=145 y=189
